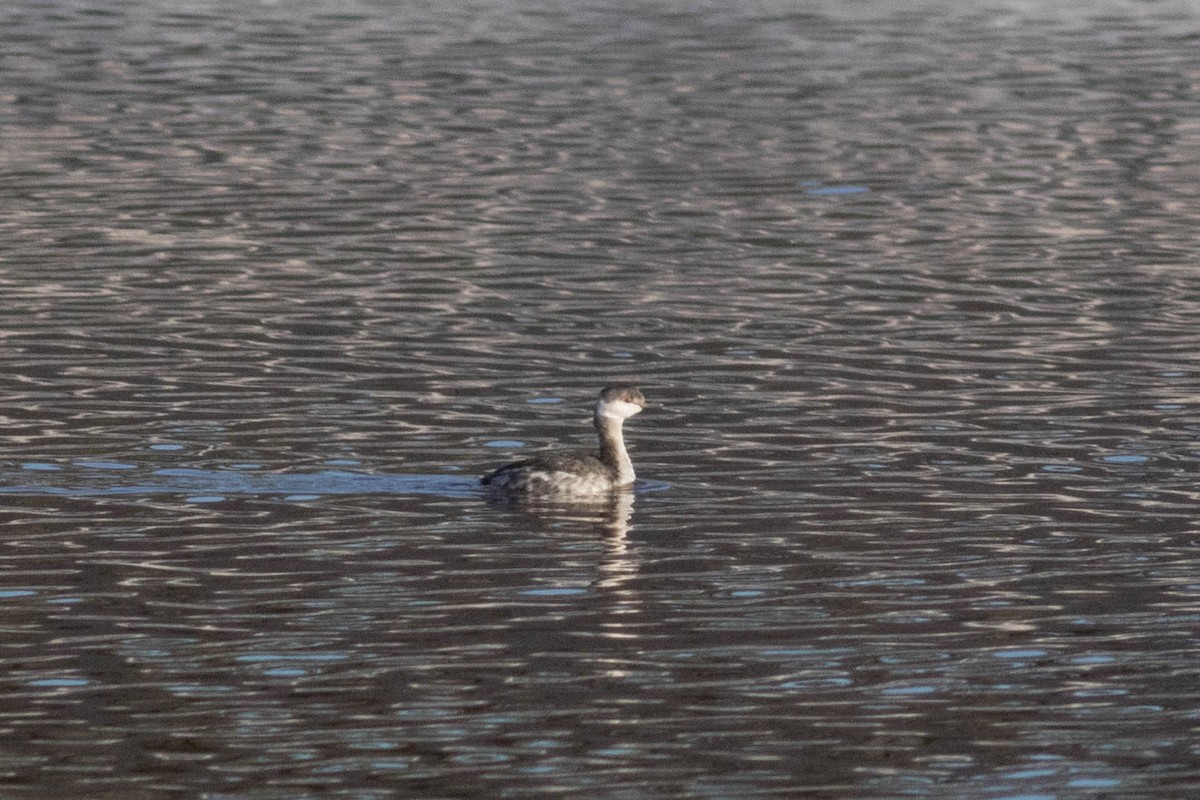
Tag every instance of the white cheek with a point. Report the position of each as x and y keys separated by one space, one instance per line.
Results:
x=623 y=409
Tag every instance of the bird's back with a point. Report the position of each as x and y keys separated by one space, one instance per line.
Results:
x=555 y=473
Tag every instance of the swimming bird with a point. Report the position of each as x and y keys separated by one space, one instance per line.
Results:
x=572 y=473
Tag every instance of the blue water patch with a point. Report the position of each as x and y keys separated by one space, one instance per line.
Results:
x=285 y=672
x=1093 y=783
x=909 y=690
x=1097 y=659
x=556 y=592
x=59 y=683
x=481 y=758
x=816 y=684
x=1026 y=774
x=836 y=190
x=9 y=593
x=34 y=466
x=1126 y=459
x=166 y=447
x=210 y=486
x=545 y=401
x=506 y=443
x=1031 y=653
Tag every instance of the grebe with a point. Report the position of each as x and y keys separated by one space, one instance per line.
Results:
x=579 y=473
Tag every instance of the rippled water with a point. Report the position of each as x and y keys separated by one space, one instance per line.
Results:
x=914 y=292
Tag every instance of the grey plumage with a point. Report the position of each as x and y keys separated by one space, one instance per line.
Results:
x=574 y=472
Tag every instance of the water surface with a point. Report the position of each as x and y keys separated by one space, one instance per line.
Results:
x=913 y=292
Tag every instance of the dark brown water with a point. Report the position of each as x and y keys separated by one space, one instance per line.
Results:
x=915 y=293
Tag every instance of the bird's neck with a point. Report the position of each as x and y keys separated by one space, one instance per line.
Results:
x=612 y=448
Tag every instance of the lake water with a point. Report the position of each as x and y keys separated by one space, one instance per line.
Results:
x=913 y=289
